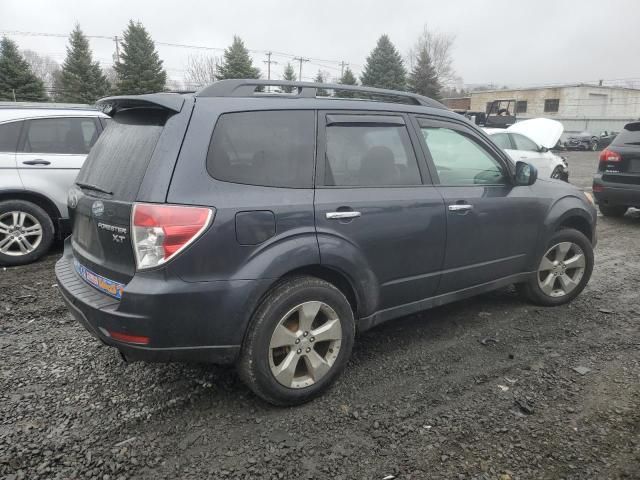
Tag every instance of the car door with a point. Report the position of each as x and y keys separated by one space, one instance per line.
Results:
x=378 y=217
x=51 y=152
x=528 y=151
x=491 y=225
x=9 y=134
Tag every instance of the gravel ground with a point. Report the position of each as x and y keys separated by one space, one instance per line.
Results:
x=489 y=388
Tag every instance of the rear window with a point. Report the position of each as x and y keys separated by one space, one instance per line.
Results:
x=118 y=160
x=629 y=136
x=268 y=148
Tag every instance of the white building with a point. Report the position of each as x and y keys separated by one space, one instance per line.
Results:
x=579 y=107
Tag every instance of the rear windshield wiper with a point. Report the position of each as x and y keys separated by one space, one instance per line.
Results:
x=95 y=188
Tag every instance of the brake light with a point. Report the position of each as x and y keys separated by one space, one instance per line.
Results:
x=160 y=232
x=597 y=188
x=610 y=156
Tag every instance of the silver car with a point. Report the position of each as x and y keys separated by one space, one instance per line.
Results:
x=41 y=151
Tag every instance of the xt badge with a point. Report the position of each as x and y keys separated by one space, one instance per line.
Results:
x=118 y=234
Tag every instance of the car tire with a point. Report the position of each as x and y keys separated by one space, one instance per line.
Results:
x=559 y=174
x=26 y=232
x=281 y=361
x=555 y=282
x=612 y=210
x=594 y=146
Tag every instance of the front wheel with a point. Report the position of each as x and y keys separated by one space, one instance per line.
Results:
x=594 y=146
x=563 y=271
x=560 y=174
x=299 y=341
x=26 y=232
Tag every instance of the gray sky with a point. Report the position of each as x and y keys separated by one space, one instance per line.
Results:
x=500 y=41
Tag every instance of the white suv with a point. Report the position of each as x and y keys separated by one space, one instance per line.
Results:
x=41 y=150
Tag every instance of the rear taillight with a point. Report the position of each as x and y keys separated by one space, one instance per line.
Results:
x=160 y=232
x=597 y=188
x=610 y=156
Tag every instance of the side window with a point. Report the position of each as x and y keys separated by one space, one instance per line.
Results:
x=523 y=143
x=9 y=133
x=502 y=140
x=459 y=160
x=61 y=135
x=370 y=155
x=269 y=148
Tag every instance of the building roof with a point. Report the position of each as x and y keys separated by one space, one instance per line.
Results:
x=553 y=87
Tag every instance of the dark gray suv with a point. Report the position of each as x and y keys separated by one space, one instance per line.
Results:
x=265 y=229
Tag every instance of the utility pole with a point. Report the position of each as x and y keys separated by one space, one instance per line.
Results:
x=268 y=61
x=300 y=59
x=342 y=65
x=117 y=59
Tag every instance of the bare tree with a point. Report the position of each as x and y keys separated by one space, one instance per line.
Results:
x=440 y=48
x=201 y=70
x=44 y=67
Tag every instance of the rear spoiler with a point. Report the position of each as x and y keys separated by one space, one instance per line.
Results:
x=167 y=101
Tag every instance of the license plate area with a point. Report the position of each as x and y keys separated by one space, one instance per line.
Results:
x=103 y=284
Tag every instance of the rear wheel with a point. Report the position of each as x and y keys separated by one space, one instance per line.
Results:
x=612 y=210
x=563 y=271
x=26 y=232
x=299 y=341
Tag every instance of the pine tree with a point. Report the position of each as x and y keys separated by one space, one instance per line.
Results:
x=348 y=78
x=290 y=75
x=423 y=78
x=81 y=79
x=17 y=81
x=139 y=69
x=320 y=78
x=384 y=67
x=237 y=62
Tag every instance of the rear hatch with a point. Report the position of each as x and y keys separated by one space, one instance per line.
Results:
x=130 y=150
x=620 y=161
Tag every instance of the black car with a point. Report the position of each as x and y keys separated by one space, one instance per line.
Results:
x=616 y=185
x=238 y=226
x=580 y=141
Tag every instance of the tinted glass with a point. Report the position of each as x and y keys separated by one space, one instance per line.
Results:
x=118 y=161
x=629 y=136
x=502 y=140
x=459 y=160
x=9 y=133
x=270 y=148
x=370 y=155
x=523 y=143
x=60 y=135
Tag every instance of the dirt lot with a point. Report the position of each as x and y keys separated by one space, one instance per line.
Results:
x=482 y=389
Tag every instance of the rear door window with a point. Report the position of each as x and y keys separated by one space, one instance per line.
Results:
x=502 y=140
x=268 y=148
x=367 y=154
x=9 y=133
x=73 y=136
x=119 y=159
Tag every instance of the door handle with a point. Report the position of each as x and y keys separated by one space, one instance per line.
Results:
x=38 y=161
x=342 y=215
x=460 y=207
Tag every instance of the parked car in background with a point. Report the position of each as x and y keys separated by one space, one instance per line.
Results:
x=616 y=185
x=530 y=141
x=41 y=151
x=606 y=138
x=580 y=141
x=228 y=227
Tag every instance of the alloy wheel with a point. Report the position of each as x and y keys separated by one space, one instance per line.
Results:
x=20 y=233
x=561 y=269
x=305 y=344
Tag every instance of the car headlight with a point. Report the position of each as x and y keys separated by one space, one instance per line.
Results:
x=589 y=196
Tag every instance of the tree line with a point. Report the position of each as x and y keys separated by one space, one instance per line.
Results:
x=138 y=69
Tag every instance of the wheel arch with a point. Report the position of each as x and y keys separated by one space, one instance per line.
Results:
x=36 y=198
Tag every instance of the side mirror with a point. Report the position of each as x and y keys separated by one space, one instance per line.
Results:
x=525 y=174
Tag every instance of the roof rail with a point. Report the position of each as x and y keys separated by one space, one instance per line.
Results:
x=247 y=88
x=47 y=105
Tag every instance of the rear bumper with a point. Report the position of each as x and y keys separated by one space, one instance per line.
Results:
x=627 y=195
x=179 y=321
